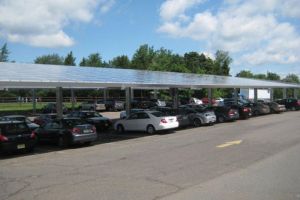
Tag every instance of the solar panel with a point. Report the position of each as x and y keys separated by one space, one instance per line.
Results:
x=20 y=75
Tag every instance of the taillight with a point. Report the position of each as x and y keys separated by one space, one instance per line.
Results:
x=299 y=102
x=231 y=112
x=75 y=130
x=3 y=138
x=94 y=129
x=164 y=121
x=32 y=135
x=245 y=109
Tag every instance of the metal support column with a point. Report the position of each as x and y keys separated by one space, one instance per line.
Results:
x=209 y=94
x=128 y=100
x=295 y=93
x=105 y=95
x=33 y=102
x=132 y=93
x=174 y=94
x=59 y=101
x=271 y=94
x=155 y=92
x=255 y=95
x=284 y=93
x=235 y=91
x=73 y=99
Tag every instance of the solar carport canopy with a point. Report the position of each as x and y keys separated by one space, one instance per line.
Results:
x=19 y=75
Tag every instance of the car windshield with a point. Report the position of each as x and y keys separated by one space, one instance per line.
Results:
x=93 y=114
x=14 y=129
x=72 y=122
x=158 y=114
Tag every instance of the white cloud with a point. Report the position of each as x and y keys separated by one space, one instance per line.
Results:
x=41 y=23
x=259 y=31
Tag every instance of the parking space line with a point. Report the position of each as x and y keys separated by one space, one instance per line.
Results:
x=227 y=144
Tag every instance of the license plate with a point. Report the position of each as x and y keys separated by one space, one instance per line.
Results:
x=86 y=131
x=21 y=146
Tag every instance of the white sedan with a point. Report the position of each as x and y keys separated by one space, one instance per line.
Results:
x=149 y=121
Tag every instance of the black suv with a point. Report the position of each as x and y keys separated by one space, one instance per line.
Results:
x=16 y=135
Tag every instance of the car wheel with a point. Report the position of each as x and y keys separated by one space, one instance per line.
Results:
x=221 y=119
x=256 y=113
x=120 y=128
x=293 y=108
x=197 y=122
x=150 y=129
x=62 y=142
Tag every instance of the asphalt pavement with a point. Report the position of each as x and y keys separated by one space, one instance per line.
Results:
x=248 y=159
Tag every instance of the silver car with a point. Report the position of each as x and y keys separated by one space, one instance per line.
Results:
x=196 y=117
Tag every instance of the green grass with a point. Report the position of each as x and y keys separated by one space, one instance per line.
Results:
x=27 y=106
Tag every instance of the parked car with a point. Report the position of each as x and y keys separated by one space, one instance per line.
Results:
x=123 y=114
x=16 y=135
x=100 y=122
x=226 y=113
x=67 y=131
x=195 y=101
x=51 y=108
x=245 y=110
x=114 y=105
x=21 y=118
x=159 y=102
x=276 y=107
x=149 y=121
x=44 y=118
x=260 y=109
x=290 y=104
x=93 y=105
x=198 y=116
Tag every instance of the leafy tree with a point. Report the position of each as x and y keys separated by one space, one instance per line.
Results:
x=260 y=76
x=121 y=61
x=52 y=59
x=70 y=59
x=192 y=61
x=245 y=74
x=142 y=58
x=4 y=53
x=94 y=60
x=291 y=78
x=273 y=76
x=83 y=62
x=222 y=63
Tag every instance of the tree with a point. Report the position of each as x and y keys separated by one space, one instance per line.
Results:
x=4 y=53
x=260 y=76
x=142 y=58
x=94 y=60
x=192 y=62
x=120 y=61
x=273 y=76
x=245 y=74
x=70 y=59
x=291 y=78
x=52 y=59
x=222 y=62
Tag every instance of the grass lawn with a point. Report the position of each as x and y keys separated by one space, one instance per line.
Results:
x=27 y=106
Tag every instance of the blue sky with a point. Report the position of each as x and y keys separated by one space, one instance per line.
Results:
x=260 y=35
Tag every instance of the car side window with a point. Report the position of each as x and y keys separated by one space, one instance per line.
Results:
x=55 y=125
x=142 y=116
x=48 y=126
x=133 y=116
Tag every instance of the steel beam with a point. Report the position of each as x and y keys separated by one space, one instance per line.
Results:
x=59 y=101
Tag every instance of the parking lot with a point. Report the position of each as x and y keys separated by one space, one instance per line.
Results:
x=256 y=158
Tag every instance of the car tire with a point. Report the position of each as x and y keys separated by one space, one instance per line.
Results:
x=120 y=128
x=256 y=113
x=61 y=142
x=197 y=122
x=221 y=119
x=150 y=129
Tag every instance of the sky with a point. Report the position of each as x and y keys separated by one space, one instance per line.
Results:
x=260 y=35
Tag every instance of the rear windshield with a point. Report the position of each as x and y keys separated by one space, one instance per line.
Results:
x=14 y=129
x=158 y=114
x=71 y=122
